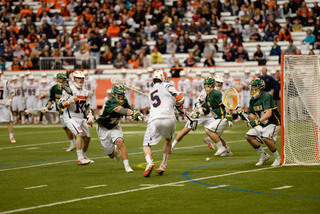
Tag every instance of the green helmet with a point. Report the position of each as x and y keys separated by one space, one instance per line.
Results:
x=256 y=87
x=118 y=92
x=209 y=84
x=61 y=77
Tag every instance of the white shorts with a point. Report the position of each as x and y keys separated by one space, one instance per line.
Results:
x=5 y=114
x=204 y=120
x=140 y=101
x=245 y=99
x=77 y=125
x=218 y=126
x=186 y=102
x=269 y=132
x=108 y=137
x=93 y=102
x=62 y=121
x=31 y=103
x=17 y=104
x=159 y=128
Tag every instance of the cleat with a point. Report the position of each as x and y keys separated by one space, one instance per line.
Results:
x=83 y=161
x=208 y=141
x=161 y=169
x=263 y=158
x=220 y=151
x=149 y=168
x=12 y=140
x=72 y=147
x=276 y=161
x=90 y=161
x=228 y=153
x=117 y=156
x=128 y=169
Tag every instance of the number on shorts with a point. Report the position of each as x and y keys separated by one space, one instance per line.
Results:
x=79 y=105
x=155 y=98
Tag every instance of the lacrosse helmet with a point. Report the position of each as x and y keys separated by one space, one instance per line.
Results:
x=14 y=78
x=118 y=92
x=209 y=84
x=256 y=87
x=78 y=75
x=60 y=78
x=159 y=75
x=219 y=82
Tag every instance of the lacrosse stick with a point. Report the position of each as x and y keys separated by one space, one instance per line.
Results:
x=193 y=123
x=231 y=101
x=36 y=111
x=117 y=81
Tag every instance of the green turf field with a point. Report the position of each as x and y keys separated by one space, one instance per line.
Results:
x=39 y=176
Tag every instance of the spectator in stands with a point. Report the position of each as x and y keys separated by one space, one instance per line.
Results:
x=276 y=94
x=15 y=66
x=236 y=44
x=241 y=55
x=172 y=46
x=288 y=23
x=209 y=62
x=269 y=81
x=144 y=62
x=145 y=47
x=259 y=56
x=54 y=32
x=106 y=57
x=304 y=12
x=197 y=52
x=148 y=29
x=223 y=28
x=71 y=6
x=58 y=44
x=95 y=44
x=227 y=7
x=182 y=46
x=170 y=60
x=114 y=30
x=275 y=49
x=228 y=55
x=249 y=29
x=255 y=37
x=119 y=62
x=272 y=23
x=57 y=19
x=286 y=11
x=19 y=53
x=133 y=62
x=156 y=56
x=82 y=57
x=45 y=17
x=270 y=34
x=176 y=68
x=244 y=15
x=296 y=27
x=310 y=38
x=2 y=64
x=237 y=25
x=311 y=52
x=208 y=48
x=192 y=27
x=204 y=27
x=257 y=17
x=291 y=48
x=316 y=9
x=7 y=52
x=285 y=34
x=298 y=51
x=311 y=19
x=161 y=44
x=191 y=60
x=26 y=63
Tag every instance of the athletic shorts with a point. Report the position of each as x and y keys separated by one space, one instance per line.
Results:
x=5 y=114
x=269 y=132
x=159 y=128
x=77 y=125
x=218 y=126
x=108 y=137
x=17 y=104
x=204 y=120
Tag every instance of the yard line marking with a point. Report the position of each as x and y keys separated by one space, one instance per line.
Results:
x=35 y=187
x=218 y=186
x=90 y=187
x=148 y=185
x=32 y=148
x=283 y=187
x=129 y=191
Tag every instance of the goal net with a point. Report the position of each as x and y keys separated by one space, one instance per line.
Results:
x=300 y=108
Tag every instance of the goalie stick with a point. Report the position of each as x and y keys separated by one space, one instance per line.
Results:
x=231 y=100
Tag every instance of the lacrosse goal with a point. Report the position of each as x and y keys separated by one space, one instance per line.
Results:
x=300 y=110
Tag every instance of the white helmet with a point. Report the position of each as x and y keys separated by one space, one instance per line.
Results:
x=198 y=73
x=86 y=72
x=219 y=82
x=161 y=75
x=139 y=72
x=14 y=77
x=123 y=71
x=21 y=75
x=182 y=73
x=28 y=73
x=30 y=77
x=150 y=69
x=78 y=74
x=43 y=80
x=43 y=74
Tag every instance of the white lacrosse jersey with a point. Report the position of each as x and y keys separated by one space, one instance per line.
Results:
x=139 y=84
x=184 y=86
x=227 y=83
x=149 y=83
x=162 y=101
x=30 y=90
x=90 y=85
x=4 y=91
x=75 y=110
x=17 y=88
x=127 y=82
x=197 y=86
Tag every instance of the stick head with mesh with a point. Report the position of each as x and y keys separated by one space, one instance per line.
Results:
x=231 y=99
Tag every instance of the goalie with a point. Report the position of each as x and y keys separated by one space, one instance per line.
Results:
x=221 y=116
x=109 y=129
x=264 y=119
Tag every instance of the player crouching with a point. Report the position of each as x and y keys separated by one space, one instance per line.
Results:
x=109 y=129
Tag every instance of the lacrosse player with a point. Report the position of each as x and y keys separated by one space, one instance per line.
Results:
x=197 y=86
x=90 y=85
x=265 y=119
x=31 y=100
x=245 y=90
x=18 y=101
x=184 y=87
x=140 y=100
x=169 y=79
x=206 y=120
x=77 y=114
x=127 y=81
x=6 y=96
x=42 y=93
x=55 y=95
x=228 y=81
x=109 y=129
x=223 y=119
x=162 y=97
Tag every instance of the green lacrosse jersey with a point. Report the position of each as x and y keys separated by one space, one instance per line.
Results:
x=55 y=94
x=262 y=104
x=213 y=104
x=109 y=118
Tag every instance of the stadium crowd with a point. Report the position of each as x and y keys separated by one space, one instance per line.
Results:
x=81 y=33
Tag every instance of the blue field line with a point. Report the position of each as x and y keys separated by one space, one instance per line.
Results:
x=186 y=176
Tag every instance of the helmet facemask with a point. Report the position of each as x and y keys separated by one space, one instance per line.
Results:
x=209 y=84
x=256 y=87
x=118 y=92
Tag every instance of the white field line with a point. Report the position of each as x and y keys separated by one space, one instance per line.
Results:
x=216 y=187
x=59 y=162
x=91 y=187
x=131 y=190
x=31 y=126
x=32 y=148
x=283 y=187
x=31 y=133
x=35 y=187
